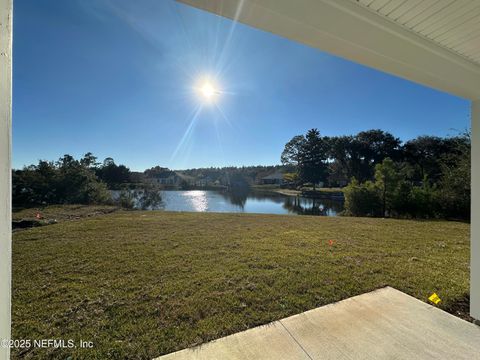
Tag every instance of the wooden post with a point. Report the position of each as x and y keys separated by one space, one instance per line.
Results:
x=6 y=13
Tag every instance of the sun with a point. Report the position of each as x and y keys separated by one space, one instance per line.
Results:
x=208 y=91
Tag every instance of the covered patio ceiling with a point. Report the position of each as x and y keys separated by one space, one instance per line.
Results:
x=431 y=42
x=452 y=24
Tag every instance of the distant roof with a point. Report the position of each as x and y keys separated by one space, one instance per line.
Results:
x=183 y=176
x=164 y=175
x=274 y=176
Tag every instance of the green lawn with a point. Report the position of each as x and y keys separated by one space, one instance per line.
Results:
x=142 y=284
x=63 y=212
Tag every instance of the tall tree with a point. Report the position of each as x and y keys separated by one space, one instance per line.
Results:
x=292 y=151
x=387 y=179
x=455 y=182
x=313 y=166
x=90 y=161
x=375 y=146
x=344 y=154
x=112 y=174
x=424 y=153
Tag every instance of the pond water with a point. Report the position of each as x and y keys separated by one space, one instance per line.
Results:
x=244 y=202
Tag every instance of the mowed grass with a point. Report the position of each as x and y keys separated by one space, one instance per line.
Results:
x=143 y=284
x=63 y=212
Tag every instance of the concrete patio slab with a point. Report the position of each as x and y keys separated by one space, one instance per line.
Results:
x=382 y=324
x=270 y=341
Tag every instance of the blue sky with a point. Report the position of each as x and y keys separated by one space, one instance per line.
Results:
x=117 y=78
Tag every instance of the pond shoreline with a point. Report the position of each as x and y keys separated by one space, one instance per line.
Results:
x=334 y=194
x=247 y=200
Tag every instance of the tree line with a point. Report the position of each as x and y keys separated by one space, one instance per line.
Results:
x=89 y=181
x=233 y=176
x=68 y=181
x=428 y=176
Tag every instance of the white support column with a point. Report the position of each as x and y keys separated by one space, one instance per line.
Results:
x=475 y=221
x=6 y=12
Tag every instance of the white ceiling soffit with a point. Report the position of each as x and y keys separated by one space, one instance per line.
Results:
x=412 y=39
x=453 y=24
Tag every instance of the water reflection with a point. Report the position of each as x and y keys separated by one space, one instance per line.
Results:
x=237 y=196
x=197 y=199
x=245 y=200
x=307 y=206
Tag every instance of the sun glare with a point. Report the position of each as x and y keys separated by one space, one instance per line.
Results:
x=208 y=91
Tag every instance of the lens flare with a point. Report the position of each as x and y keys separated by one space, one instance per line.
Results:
x=207 y=91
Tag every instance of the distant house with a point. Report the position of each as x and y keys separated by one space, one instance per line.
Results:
x=185 y=179
x=137 y=177
x=273 y=179
x=165 y=178
x=204 y=181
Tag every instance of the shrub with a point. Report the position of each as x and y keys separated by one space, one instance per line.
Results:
x=423 y=201
x=149 y=197
x=402 y=199
x=67 y=181
x=126 y=199
x=391 y=195
x=362 y=199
